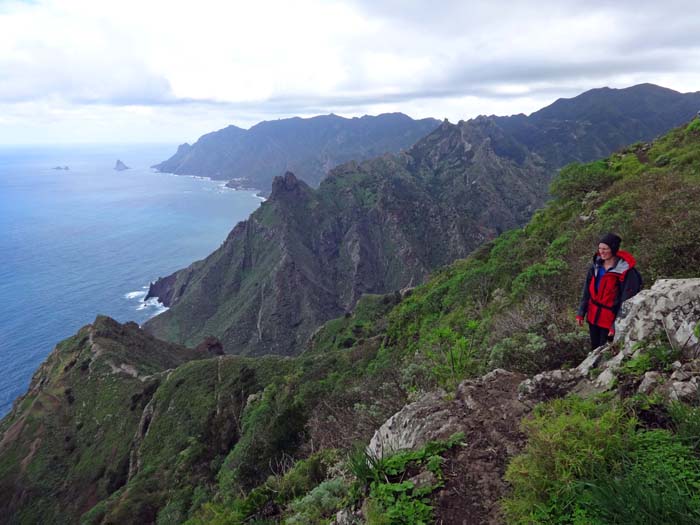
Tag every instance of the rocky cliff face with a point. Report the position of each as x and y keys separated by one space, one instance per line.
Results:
x=306 y=255
x=308 y=147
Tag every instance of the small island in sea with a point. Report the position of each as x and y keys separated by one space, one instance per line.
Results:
x=120 y=166
x=66 y=168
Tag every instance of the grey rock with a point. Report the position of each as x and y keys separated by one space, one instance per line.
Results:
x=430 y=418
x=681 y=375
x=550 y=384
x=649 y=383
x=424 y=479
x=591 y=361
x=605 y=380
x=671 y=306
x=683 y=391
x=347 y=517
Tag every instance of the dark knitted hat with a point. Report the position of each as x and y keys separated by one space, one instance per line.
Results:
x=611 y=240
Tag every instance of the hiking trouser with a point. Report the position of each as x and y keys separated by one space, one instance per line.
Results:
x=599 y=336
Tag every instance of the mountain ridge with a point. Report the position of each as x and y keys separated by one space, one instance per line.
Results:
x=385 y=223
x=308 y=146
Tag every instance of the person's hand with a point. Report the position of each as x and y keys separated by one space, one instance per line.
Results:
x=579 y=320
x=611 y=335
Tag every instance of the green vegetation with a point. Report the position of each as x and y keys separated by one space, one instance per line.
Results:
x=393 y=499
x=655 y=354
x=590 y=462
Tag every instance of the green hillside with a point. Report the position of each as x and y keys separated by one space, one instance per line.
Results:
x=267 y=440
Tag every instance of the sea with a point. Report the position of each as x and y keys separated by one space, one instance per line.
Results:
x=88 y=240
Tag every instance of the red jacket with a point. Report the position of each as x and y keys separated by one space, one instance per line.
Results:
x=600 y=307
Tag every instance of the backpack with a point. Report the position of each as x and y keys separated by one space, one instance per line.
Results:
x=632 y=285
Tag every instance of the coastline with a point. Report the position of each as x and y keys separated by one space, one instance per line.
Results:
x=232 y=184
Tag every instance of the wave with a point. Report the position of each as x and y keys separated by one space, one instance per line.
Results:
x=153 y=305
x=136 y=295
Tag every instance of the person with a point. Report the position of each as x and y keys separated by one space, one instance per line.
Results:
x=611 y=279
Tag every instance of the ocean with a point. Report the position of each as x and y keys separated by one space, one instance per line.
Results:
x=88 y=240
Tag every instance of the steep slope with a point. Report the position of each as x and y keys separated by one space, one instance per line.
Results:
x=308 y=147
x=307 y=255
x=66 y=443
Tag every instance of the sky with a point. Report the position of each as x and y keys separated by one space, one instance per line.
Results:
x=168 y=71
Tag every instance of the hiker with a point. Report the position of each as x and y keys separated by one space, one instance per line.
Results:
x=611 y=280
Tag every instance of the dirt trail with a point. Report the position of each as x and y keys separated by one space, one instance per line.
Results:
x=474 y=473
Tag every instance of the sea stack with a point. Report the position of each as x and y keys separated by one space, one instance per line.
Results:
x=120 y=166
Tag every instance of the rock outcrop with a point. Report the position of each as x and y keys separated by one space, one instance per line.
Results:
x=671 y=307
x=487 y=410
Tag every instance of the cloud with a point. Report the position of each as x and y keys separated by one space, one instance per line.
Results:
x=246 y=61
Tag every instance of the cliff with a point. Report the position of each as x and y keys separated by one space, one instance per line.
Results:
x=308 y=147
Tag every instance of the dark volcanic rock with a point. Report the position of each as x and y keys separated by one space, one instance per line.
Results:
x=211 y=345
x=162 y=289
x=120 y=166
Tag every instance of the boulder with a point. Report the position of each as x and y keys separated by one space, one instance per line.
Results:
x=671 y=306
x=649 y=383
x=428 y=419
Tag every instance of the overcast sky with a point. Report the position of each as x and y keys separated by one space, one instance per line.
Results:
x=169 y=70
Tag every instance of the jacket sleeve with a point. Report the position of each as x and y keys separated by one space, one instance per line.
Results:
x=585 y=294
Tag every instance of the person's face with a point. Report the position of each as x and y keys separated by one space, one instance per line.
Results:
x=604 y=251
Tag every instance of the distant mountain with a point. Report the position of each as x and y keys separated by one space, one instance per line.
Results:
x=307 y=255
x=308 y=147
x=600 y=121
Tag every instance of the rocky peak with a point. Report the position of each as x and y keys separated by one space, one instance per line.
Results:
x=288 y=185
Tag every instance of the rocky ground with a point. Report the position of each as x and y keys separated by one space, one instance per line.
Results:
x=488 y=410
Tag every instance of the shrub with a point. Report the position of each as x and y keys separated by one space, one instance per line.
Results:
x=694 y=126
x=660 y=484
x=576 y=180
x=587 y=463
x=568 y=440
x=391 y=499
x=319 y=504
